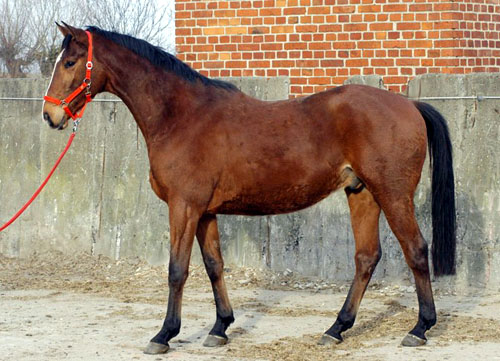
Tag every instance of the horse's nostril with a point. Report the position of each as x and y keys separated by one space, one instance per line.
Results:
x=47 y=118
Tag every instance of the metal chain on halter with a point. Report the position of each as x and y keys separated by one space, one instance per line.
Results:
x=76 y=123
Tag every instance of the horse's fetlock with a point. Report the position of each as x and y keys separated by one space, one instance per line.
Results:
x=227 y=320
x=346 y=320
x=173 y=328
x=429 y=320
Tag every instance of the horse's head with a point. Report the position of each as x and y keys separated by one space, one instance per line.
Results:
x=72 y=71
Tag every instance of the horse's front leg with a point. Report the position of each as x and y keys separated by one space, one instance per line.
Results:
x=208 y=238
x=183 y=223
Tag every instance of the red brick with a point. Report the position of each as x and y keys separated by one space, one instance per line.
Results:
x=381 y=26
x=369 y=8
x=247 y=12
x=445 y=43
x=307 y=63
x=317 y=46
x=259 y=64
x=394 y=44
x=320 y=80
x=369 y=44
x=356 y=62
x=318 y=19
x=343 y=9
x=447 y=62
x=400 y=8
x=270 y=12
x=330 y=28
x=282 y=29
x=295 y=46
x=382 y=62
x=306 y=28
x=236 y=64
x=407 y=62
x=248 y=47
x=420 y=7
x=201 y=14
x=395 y=80
x=213 y=64
x=332 y=63
x=294 y=11
x=420 y=43
x=318 y=10
x=344 y=45
x=408 y=26
x=355 y=27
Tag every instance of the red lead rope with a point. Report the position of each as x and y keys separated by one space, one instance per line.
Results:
x=76 y=119
x=70 y=140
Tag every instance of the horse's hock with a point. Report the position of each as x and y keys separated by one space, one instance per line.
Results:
x=100 y=201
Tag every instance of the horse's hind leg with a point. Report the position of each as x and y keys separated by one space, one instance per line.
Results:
x=365 y=213
x=400 y=214
x=208 y=238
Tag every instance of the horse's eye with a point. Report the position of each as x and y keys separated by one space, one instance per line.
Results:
x=69 y=64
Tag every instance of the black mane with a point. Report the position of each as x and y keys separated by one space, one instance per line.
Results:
x=159 y=57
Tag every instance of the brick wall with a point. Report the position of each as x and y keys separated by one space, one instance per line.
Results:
x=320 y=43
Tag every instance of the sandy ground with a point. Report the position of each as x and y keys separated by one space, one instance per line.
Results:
x=54 y=307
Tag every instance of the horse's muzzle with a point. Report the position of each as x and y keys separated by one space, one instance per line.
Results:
x=48 y=119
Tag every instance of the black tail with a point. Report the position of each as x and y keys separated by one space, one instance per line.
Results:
x=443 y=191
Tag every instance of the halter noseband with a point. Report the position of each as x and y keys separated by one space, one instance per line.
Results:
x=85 y=86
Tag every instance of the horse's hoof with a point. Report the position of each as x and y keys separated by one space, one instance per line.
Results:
x=327 y=339
x=154 y=348
x=411 y=340
x=214 y=341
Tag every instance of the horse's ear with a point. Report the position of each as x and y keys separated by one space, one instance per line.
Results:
x=62 y=29
x=68 y=29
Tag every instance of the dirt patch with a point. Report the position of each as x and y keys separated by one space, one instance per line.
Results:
x=85 y=307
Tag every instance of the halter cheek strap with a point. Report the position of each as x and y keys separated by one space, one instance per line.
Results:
x=85 y=86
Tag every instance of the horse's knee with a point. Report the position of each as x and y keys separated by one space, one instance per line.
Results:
x=366 y=262
x=177 y=275
x=214 y=267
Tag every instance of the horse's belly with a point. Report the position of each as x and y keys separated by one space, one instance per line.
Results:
x=280 y=201
x=296 y=180
x=262 y=199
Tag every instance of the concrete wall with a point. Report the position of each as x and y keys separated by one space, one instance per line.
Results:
x=100 y=200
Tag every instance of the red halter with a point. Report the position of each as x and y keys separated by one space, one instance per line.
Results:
x=85 y=86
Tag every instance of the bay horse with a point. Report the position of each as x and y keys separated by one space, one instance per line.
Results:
x=214 y=150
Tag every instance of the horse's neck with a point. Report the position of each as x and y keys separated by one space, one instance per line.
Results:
x=155 y=97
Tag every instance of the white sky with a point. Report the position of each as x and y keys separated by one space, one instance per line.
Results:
x=171 y=29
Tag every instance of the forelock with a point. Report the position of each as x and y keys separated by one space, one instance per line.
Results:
x=66 y=41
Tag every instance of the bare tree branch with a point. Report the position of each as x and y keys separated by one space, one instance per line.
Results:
x=29 y=41
x=146 y=19
x=16 y=47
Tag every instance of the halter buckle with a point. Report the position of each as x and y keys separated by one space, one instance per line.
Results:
x=76 y=123
x=89 y=65
x=88 y=82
